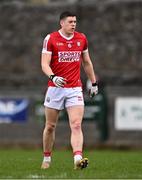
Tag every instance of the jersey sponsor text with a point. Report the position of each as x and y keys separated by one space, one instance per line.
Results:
x=69 y=56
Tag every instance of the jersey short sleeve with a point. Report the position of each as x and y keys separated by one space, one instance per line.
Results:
x=47 y=45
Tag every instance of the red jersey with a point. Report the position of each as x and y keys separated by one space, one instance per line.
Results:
x=66 y=56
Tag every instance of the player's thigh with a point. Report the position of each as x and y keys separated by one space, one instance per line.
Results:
x=75 y=113
x=51 y=115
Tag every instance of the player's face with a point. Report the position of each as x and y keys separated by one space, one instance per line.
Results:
x=68 y=25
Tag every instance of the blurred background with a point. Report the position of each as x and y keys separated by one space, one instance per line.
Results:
x=113 y=28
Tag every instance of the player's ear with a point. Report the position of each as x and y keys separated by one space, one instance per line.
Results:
x=61 y=22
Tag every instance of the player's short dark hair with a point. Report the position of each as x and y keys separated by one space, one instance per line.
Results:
x=66 y=14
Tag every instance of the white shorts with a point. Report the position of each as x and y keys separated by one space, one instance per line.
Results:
x=60 y=98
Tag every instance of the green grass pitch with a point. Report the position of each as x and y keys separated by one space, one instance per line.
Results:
x=111 y=164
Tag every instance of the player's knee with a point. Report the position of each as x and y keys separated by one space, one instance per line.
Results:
x=50 y=128
x=76 y=126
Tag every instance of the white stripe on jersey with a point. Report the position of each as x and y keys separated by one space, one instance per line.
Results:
x=44 y=49
x=86 y=50
x=47 y=38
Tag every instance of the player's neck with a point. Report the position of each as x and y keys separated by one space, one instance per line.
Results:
x=66 y=35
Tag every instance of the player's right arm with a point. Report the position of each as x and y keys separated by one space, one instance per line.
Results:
x=46 y=56
x=45 y=63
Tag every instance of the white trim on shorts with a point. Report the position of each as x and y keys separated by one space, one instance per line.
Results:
x=60 y=98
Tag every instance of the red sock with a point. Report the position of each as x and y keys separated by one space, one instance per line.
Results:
x=47 y=154
x=77 y=153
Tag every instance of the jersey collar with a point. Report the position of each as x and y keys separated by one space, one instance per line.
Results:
x=67 y=38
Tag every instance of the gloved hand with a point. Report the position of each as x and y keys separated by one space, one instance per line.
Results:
x=94 y=90
x=57 y=80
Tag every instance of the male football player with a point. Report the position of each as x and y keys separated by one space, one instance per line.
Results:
x=62 y=55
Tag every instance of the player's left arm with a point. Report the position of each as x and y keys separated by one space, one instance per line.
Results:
x=89 y=70
x=88 y=66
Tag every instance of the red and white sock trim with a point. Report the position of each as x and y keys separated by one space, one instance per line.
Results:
x=47 y=154
x=77 y=156
x=77 y=153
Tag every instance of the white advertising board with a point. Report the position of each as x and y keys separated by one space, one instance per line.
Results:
x=128 y=113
